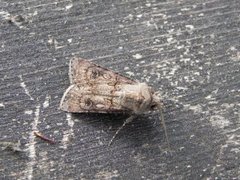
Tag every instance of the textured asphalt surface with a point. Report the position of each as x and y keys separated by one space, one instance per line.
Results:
x=188 y=50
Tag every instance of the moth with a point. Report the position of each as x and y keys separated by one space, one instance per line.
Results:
x=94 y=89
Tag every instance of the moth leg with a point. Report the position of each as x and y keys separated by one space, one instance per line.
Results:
x=128 y=120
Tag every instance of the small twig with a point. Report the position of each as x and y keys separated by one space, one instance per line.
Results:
x=39 y=135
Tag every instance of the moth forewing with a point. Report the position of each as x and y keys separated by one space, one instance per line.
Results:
x=64 y=105
x=97 y=89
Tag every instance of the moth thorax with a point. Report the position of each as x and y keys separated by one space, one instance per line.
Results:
x=137 y=98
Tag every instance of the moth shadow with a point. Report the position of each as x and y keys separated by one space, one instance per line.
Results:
x=136 y=133
x=100 y=120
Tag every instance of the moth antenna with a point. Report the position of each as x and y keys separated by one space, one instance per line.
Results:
x=128 y=120
x=163 y=123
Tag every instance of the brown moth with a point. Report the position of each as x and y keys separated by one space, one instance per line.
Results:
x=100 y=90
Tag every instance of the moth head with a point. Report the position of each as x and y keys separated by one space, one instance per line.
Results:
x=150 y=99
x=156 y=101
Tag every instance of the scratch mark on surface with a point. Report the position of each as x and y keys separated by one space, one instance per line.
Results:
x=2 y=105
x=107 y=174
x=28 y=112
x=23 y=85
x=189 y=27
x=69 y=6
x=31 y=145
x=195 y=108
x=5 y=15
x=219 y=121
x=130 y=73
x=54 y=43
x=69 y=133
x=137 y=56
x=46 y=102
x=17 y=20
